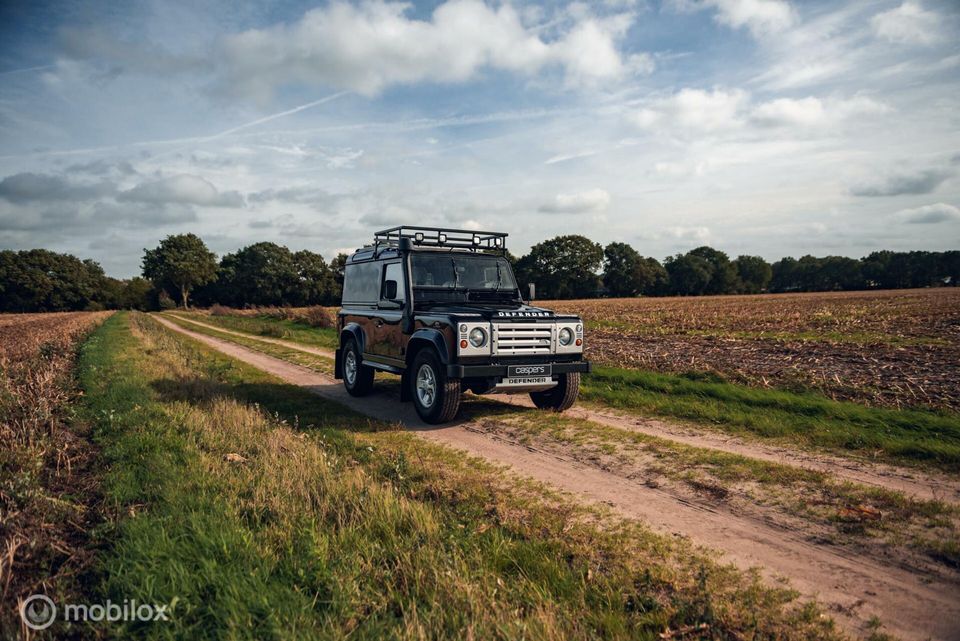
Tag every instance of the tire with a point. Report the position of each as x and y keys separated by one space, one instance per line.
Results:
x=436 y=397
x=360 y=382
x=560 y=397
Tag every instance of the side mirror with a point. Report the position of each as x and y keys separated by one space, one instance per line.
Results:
x=390 y=290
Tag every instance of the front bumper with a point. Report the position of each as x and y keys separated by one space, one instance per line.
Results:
x=499 y=371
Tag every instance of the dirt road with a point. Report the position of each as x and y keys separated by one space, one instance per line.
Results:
x=853 y=588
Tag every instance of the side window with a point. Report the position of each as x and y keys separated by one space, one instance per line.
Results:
x=361 y=282
x=392 y=272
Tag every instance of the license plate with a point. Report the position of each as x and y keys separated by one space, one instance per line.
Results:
x=526 y=371
x=528 y=380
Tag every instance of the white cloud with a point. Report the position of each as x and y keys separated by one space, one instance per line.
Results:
x=909 y=23
x=697 y=111
x=698 y=234
x=373 y=45
x=590 y=201
x=761 y=17
x=929 y=214
x=786 y=111
x=680 y=170
x=708 y=110
x=183 y=188
x=811 y=111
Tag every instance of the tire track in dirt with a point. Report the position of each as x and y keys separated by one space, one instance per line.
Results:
x=915 y=483
x=853 y=588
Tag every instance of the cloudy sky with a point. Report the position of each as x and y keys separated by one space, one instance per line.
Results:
x=757 y=126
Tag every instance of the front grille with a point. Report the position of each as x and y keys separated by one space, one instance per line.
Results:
x=517 y=339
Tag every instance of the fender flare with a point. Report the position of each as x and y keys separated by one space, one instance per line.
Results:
x=421 y=338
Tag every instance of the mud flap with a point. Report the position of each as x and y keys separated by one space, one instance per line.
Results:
x=337 y=365
x=405 y=396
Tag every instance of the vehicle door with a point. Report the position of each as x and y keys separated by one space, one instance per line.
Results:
x=388 y=335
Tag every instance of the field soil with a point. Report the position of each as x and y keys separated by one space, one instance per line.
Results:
x=912 y=603
x=895 y=348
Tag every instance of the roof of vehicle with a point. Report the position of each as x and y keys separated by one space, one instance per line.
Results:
x=389 y=242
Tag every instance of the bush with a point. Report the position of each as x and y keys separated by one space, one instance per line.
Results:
x=317 y=316
x=165 y=301
x=275 y=331
x=220 y=310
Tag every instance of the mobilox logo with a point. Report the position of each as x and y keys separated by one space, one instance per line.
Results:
x=38 y=611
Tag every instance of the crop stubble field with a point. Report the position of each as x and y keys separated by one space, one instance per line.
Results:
x=46 y=480
x=894 y=348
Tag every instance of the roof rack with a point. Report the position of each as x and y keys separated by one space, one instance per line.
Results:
x=441 y=237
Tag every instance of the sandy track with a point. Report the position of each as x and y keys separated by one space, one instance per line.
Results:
x=912 y=482
x=853 y=588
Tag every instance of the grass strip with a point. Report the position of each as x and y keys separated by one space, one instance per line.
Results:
x=809 y=419
x=325 y=337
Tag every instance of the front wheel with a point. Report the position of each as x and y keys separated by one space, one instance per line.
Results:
x=561 y=396
x=436 y=397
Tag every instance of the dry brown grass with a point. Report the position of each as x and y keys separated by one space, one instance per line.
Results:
x=46 y=484
x=314 y=316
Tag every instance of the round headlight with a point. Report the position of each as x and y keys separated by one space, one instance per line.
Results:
x=478 y=337
x=566 y=336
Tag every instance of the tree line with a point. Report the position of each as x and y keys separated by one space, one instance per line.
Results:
x=181 y=270
x=577 y=267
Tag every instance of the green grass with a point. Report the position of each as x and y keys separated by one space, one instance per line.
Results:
x=910 y=436
x=271 y=327
x=334 y=526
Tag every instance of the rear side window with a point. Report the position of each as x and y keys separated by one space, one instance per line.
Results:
x=361 y=282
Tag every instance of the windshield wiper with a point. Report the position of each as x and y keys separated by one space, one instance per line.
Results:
x=456 y=274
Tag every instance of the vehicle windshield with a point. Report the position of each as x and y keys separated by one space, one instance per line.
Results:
x=461 y=271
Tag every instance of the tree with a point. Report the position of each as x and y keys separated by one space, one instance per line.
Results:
x=562 y=267
x=784 y=275
x=39 y=280
x=181 y=262
x=259 y=274
x=690 y=274
x=136 y=294
x=876 y=269
x=950 y=266
x=337 y=266
x=655 y=276
x=627 y=273
x=839 y=273
x=723 y=278
x=315 y=284
x=754 y=273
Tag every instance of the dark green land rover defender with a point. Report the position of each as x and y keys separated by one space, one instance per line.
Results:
x=441 y=308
